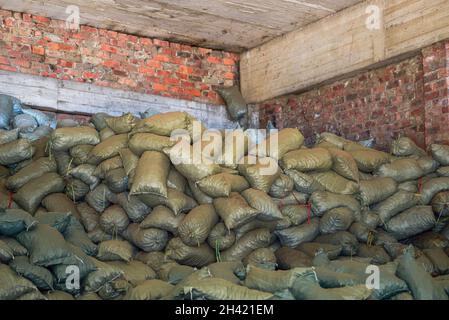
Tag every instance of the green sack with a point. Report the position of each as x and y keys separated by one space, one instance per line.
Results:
x=39 y=276
x=46 y=246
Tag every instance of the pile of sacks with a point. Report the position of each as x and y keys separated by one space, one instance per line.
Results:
x=110 y=204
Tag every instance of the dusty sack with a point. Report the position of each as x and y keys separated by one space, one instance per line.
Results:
x=322 y=201
x=304 y=160
x=337 y=219
x=282 y=186
x=411 y=222
x=235 y=104
x=376 y=190
x=304 y=183
x=431 y=187
x=234 y=210
x=255 y=239
x=108 y=148
x=335 y=183
x=259 y=200
x=222 y=184
x=163 y=218
x=32 y=171
x=177 y=201
x=294 y=236
x=16 y=151
x=122 y=124
x=141 y=142
x=404 y=147
x=31 y=194
x=369 y=160
x=440 y=153
x=188 y=255
x=400 y=201
x=197 y=224
x=344 y=164
x=401 y=170
x=66 y=138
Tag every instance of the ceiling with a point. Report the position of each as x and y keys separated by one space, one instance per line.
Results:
x=233 y=25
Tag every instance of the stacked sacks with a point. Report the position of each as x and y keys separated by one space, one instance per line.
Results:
x=140 y=224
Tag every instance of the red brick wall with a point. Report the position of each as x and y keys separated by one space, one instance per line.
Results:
x=436 y=92
x=42 y=46
x=406 y=98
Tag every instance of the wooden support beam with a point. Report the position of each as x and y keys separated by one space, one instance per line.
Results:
x=85 y=98
x=342 y=44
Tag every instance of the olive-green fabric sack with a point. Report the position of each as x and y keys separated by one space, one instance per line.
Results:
x=99 y=120
x=271 y=281
x=411 y=222
x=112 y=250
x=433 y=186
x=117 y=180
x=105 y=166
x=220 y=237
x=150 y=290
x=14 y=221
x=141 y=142
x=65 y=138
x=252 y=240
x=401 y=170
x=177 y=201
x=108 y=148
x=304 y=183
x=13 y=286
x=418 y=280
x=197 y=224
x=151 y=174
x=104 y=274
x=164 y=123
x=369 y=160
x=282 y=186
x=122 y=124
x=34 y=170
x=148 y=240
x=322 y=201
x=336 y=219
x=335 y=183
x=46 y=246
x=262 y=174
x=134 y=208
x=376 y=190
x=163 y=218
x=76 y=235
x=305 y=160
x=114 y=220
x=100 y=198
x=59 y=202
x=404 y=147
x=197 y=256
x=57 y=220
x=262 y=258
x=7 y=136
x=259 y=200
x=222 y=184
x=400 y=201
x=80 y=153
x=219 y=289
x=16 y=248
x=234 y=210
x=344 y=164
x=235 y=103
x=135 y=272
x=31 y=194
x=85 y=173
x=16 y=151
x=39 y=276
x=76 y=189
x=197 y=194
x=346 y=240
x=288 y=139
x=294 y=236
x=6 y=253
x=440 y=153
